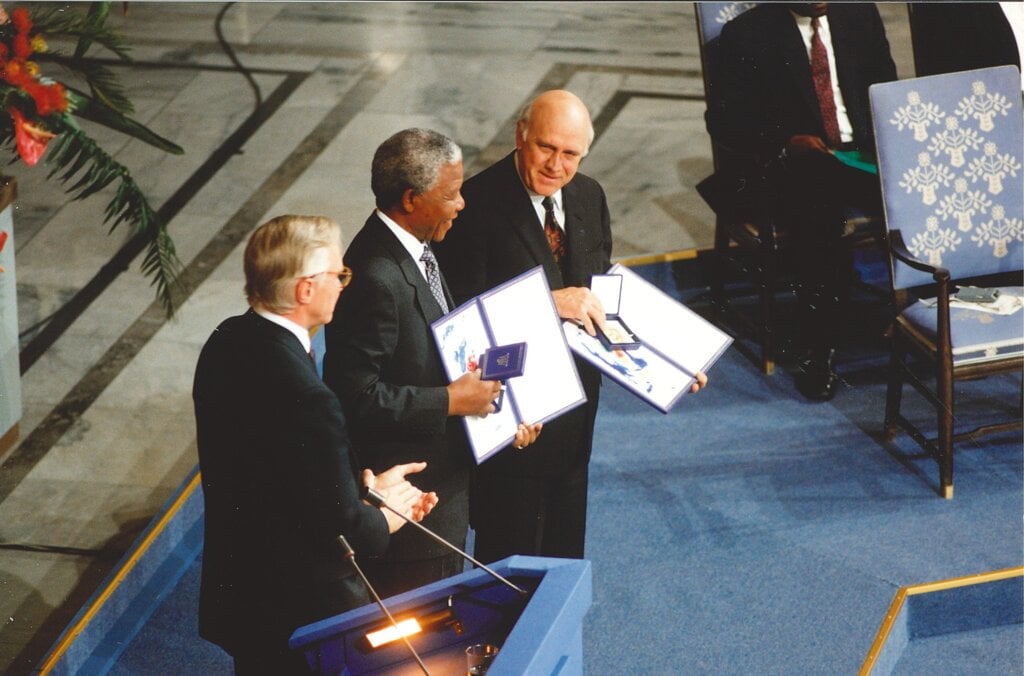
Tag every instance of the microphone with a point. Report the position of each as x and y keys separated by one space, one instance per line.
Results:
x=377 y=500
x=350 y=554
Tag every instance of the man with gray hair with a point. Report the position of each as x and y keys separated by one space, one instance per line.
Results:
x=278 y=478
x=382 y=360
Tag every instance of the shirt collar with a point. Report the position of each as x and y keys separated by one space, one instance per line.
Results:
x=407 y=239
x=299 y=332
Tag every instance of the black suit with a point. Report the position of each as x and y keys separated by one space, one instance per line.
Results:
x=279 y=487
x=953 y=36
x=762 y=96
x=383 y=363
x=496 y=237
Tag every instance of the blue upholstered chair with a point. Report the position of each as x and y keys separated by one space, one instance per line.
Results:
x=950 y=161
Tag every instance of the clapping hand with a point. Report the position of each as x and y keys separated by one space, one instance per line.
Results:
x=401 y=495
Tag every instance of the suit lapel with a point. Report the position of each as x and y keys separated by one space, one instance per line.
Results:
x=794 y=55
x=425 y=302
x=571 y=202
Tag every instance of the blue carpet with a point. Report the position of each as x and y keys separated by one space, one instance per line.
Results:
x=748 y=531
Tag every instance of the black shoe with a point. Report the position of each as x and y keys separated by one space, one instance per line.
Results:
x=817 y=378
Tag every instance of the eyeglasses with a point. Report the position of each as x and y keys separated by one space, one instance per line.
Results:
x=344 y=275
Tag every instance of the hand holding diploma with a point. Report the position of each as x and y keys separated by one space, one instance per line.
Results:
x=526 y=434
x=469 y=395
x=579 y=304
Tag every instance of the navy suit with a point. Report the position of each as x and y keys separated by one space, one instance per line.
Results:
x=279 y=487
x=496 y=237
x=383 y=363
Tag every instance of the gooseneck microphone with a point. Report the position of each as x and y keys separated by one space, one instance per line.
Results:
x=350 y=554
x=377 y=500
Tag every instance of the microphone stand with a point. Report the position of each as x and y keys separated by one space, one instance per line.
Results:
x=377 y=500
x=350 y=554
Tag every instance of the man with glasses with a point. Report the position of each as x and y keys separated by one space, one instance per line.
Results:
x=278 y=477
x=382 y=360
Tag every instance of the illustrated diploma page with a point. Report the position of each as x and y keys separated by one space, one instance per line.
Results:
x=675 y=342
x=518 y=311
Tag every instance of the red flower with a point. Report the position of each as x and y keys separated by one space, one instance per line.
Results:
x=30 y=139
x=49 y=98
x=23 y=24
x=22 y=21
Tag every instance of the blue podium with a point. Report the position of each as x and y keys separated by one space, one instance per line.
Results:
x=541 y=633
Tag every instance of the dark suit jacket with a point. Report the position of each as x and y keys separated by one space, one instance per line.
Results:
x=279 y=488
x=950 y=37
x=763 y=93
x=383 y=363
x=498 y=236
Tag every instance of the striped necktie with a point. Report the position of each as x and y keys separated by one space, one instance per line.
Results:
x=434 y=277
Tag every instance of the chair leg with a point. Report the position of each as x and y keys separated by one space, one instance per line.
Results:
x=944 y=380
x=768 y=275
x=719 y=263
x=894 y=390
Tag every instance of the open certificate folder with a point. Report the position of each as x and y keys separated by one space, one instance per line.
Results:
x=675 y=342
x=519 y=311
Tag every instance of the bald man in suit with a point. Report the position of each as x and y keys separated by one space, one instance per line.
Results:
x=534 y=208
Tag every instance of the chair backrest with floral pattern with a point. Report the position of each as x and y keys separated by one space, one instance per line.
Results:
x=949 y=158
x=711 y=16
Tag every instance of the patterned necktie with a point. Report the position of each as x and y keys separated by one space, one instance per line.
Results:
x=434 y=277
x=823 y=87
x=556 y=240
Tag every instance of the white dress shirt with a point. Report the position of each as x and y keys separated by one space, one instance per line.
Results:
x=408 y=240
x=285 y=323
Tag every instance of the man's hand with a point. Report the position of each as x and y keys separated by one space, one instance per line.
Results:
x=578 y=304
x=802 y=144
x=400 y=494
x=468 y=395
x=526 y=434
x=702 y=380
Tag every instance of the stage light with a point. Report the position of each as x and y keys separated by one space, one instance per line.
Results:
x=393 y=632
x=413 y=625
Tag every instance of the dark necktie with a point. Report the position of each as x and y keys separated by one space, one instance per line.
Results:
x=556 y=239
x=823 y=87
x=434 y=277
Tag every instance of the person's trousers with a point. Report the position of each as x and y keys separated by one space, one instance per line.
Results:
x=532 y=515
x=394 y=577
x=816 y=193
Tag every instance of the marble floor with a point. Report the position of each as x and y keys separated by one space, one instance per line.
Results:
x=107 y=431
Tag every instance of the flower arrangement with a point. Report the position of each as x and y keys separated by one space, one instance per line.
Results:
x=38 y=113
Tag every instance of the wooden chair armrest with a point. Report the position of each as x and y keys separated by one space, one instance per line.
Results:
x=900 y=251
